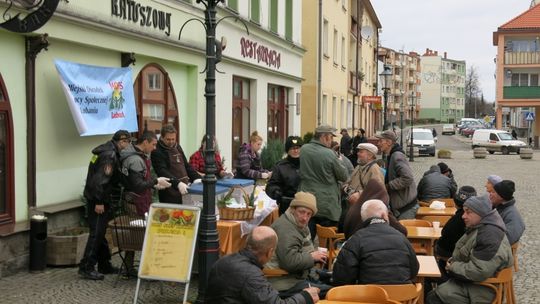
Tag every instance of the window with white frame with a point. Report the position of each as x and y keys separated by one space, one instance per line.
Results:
x=324 y=107
x=343 y=51
x=335 y=48
x=349 y=114
x=334 y=111
x=325 y=37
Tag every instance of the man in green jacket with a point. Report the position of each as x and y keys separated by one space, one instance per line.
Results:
x=480 y=253
x=321 y=171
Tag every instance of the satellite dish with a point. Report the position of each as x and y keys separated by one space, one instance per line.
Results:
x=366 y=32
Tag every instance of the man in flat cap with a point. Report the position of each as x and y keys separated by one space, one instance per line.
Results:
x=502 y=199
x=399 y=179
x=295 y=252
x=367 y=169
x=103 y=176
x=480 y=253
x=320 y=172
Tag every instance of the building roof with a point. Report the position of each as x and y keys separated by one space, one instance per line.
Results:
x=528 y=21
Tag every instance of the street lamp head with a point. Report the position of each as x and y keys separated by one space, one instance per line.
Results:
x=385 y=76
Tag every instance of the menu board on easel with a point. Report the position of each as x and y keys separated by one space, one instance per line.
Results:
x=169 y=242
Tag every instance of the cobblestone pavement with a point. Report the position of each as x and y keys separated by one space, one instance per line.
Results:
x=62 y=285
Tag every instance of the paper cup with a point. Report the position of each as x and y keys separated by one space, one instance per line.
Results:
x=260 y=204
x=436 y=225
x=323 y=249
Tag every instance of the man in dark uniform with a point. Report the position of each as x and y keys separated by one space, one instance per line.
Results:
x=170 y=161
x=103 y=176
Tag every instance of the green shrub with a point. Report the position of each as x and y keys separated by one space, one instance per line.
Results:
x=272 y=153
x=443 y=153
x=307 y=137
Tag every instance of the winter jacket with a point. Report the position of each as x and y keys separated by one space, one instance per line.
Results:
x=171 y=162
x=249 y=164
x=479 y=254
x=293 y=252
x=103 y=174
x=452 y=231
x=345 y=145
x=353 y=221
x=320 y=172
x=238 y=279
x=399 y=180
x=196 y=160
x=376 y=254
x=434 y=185
x=512 y=220
x=137 y=178
x=362 y=175
x=284 y=182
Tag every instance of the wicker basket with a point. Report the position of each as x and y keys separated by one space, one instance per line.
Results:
x=239 y=214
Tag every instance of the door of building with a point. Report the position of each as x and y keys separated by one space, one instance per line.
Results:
x=278 y=124
x=240 y=116
x=7 y=200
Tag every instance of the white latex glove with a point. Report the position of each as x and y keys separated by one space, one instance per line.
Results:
x=197 y=181
x=162 y=183
x=183 y=188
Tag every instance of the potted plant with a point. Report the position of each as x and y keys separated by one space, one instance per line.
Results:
x=67 y=246
x=272 y=153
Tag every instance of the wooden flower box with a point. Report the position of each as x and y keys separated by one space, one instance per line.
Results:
x=66 y=247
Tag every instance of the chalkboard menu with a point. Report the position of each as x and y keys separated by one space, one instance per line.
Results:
x=169 y=242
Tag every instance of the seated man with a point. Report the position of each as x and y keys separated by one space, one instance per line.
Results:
x=435 y=185
x=295 y=252
x=238 y=277
x=480 y=253
x=502 y=199
x=376 y=253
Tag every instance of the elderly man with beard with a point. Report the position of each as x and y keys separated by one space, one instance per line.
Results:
x=366 y=170
x=295 y=251
x=502 y=199
x=480 y=253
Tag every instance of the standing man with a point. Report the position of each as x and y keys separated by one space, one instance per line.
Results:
x=103 y=175
x=359 y=138
x=367 y=169
x=345 y=143
x=502 y=199
x=136 y=167
x=238 y=278
x=399 y=179
x=320 y=172
x=480 y=253
x=170 y=161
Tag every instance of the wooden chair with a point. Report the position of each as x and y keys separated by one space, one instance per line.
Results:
x=416 y=223
x=404 y=293
x=502 y=285
x=274 y=272
x=443 y=219
x=328 y=238
x=515 y=247
x=359 y=293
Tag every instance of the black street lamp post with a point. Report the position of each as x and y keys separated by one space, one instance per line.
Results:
x=411 y=144
x=385 y=79
x=401 y=105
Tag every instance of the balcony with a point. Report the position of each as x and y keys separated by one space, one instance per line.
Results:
x=521 y=92
x=521 y=57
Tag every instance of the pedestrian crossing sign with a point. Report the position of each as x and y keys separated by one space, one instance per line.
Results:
x=529 y=116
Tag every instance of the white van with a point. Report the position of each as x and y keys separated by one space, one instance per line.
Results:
x=423 y=140
x=496 y=141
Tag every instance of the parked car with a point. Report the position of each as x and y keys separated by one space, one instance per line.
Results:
x=469 y=131
x=448 y=129
x=496 y=141
x=423 y=140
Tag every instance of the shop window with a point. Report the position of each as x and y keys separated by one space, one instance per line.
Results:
x=240 y=115
x=7 y=200
x=155 y=101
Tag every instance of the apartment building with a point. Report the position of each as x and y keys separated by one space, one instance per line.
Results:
x=518 y=70
x=404 y=97
x=443 y=87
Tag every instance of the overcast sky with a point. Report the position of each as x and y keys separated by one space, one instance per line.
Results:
x=462 y=28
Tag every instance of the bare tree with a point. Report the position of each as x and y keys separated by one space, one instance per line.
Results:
x=472 y=91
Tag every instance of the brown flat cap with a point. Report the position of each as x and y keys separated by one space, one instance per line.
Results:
x=388 y=134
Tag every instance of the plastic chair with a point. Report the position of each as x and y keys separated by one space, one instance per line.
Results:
x=359 y=293
x=328 y=238
x=443 y=219
x=416 y=223
x=403 y=293
x=502 y=285
x=515 y=247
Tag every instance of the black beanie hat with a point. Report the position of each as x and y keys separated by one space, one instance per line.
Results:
x=444 y=168
x=463 y=194
x=293 y=141
x=505 y=189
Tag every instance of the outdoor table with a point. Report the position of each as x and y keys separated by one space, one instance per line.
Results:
x=428 y=269
x=230 y=233
x=423 y=211
x=424 y=235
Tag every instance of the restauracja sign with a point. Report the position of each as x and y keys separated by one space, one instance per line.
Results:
x=145 y=15
x=259 y=52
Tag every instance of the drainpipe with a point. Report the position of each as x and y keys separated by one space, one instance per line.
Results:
x=358 y=39
x=34 y=45
x=319 y=66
